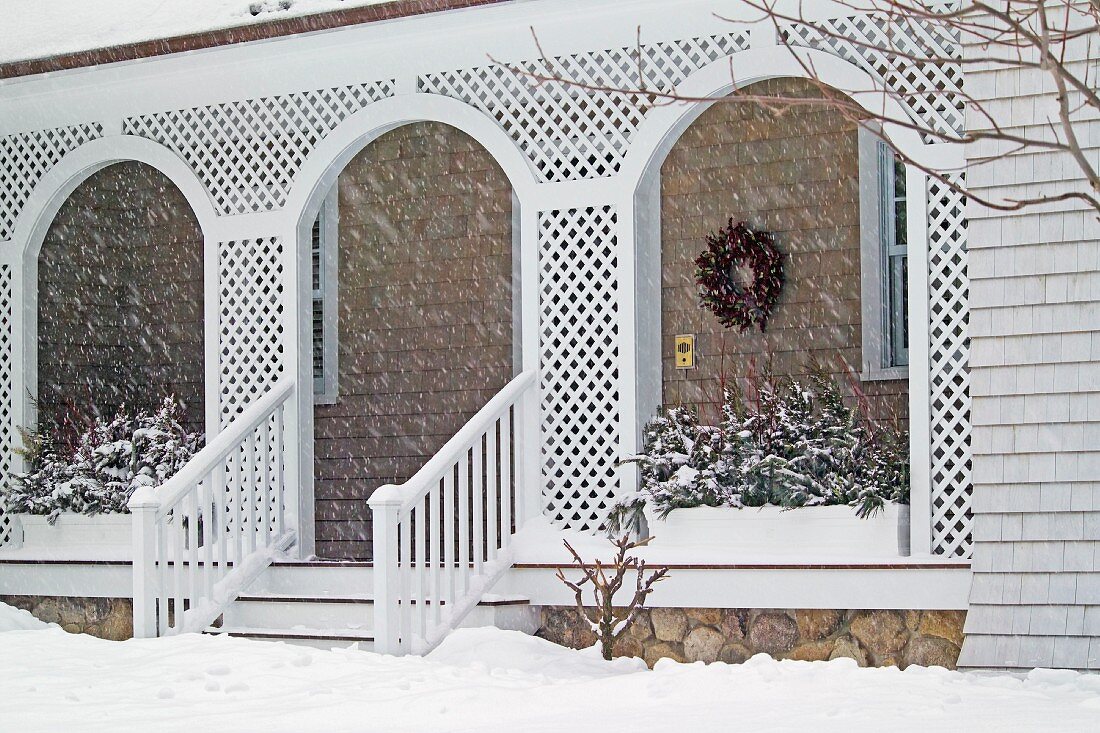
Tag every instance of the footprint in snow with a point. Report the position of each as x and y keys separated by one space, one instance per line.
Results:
x=219 y=669
x=166 y=693
x=237 y=687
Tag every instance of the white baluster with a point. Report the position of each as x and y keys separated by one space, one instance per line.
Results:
x=492 y=528
x=450 y=540
x=463 y=499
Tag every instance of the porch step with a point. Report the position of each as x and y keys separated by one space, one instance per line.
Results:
x=316 y=638
x=329 y=604
x=354 y=613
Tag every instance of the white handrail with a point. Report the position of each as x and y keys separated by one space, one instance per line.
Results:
x=443 y=536
x=212 y=527
x=217 y=450
x=406 y=494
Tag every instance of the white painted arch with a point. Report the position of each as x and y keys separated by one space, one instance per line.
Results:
x=320 y=173
x=655 y=138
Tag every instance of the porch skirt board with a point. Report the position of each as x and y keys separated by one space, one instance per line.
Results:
x=824 y=530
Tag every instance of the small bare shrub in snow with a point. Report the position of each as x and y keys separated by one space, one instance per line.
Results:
x=789 y=446
x=609 y=622
x=96 y=470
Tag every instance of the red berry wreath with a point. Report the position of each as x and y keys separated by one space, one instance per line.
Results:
x=740 y=301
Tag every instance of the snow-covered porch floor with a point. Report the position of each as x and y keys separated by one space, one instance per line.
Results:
x=489 y=680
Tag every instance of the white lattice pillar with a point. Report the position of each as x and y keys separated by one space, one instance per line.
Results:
x=579 y=344
x=10 y=415
x=949 y=372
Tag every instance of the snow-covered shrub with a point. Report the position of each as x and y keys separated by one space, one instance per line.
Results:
x=96 y=471
x=789 y=446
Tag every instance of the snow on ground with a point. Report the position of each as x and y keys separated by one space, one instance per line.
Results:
x=488 y=680
x=37 y=28
x=15 y=619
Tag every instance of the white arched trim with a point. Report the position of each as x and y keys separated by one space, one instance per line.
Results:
x=657 y=135
x=329 y=158
x=60 y=181
x=664 y=125
x=38 y=214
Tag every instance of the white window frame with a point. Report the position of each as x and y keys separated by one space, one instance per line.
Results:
x=326 y=386
x=876 y=240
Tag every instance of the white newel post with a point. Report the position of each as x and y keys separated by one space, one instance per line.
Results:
x=385 y=506
x=145 y=570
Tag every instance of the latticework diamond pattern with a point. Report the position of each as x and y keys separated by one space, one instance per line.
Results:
x=247 y=153
x=25 y=158
x=891 y=50
x=569 y=132
x=579 y=364
x=250 y=320
x=949 y=374
x=7 y=430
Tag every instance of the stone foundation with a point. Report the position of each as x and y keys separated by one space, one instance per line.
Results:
x=872 y=638
x=107 y=618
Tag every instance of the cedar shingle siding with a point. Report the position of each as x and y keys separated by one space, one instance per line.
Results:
x=120 y=295
x=796 y=175
x=425 y=325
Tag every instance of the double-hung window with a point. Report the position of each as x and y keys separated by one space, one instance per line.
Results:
x=323 y=257
x=884 y=223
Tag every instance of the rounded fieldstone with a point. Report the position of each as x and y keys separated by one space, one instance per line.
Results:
x=881 y=632
x=773 y=633
x=814 y=651
x=641 y=629
x=944 y=624
x=846 y=646
x=734 y=653
x=735 y=623
x=627 y=647
x=72 y=628
x=912 y=620
x=662 y=650
x=932 y=651
x=815 y=624
x=703 y=644
x=669 y=624
x=555 y=626
x=704 y=616
x=119 y=626
x=47 y=611
x=71 y=612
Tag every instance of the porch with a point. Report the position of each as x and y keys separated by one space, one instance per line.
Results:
x=426 y=330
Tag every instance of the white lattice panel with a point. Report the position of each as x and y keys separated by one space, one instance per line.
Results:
x=569 y=132
x=949 y=374
x=886 y=49
x=25 y=158
x=247 y=153
x=250 y=320
x=579 y=364
x=7 y=431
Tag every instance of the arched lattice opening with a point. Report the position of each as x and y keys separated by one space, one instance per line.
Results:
x=795 y=173
x=418 y=296
x=120 y=298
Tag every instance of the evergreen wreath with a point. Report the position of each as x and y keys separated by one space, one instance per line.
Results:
x=735 y=303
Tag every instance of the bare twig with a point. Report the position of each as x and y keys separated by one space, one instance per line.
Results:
x=608 y=621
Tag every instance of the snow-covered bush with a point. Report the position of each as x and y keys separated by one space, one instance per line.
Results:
x=789 y=446
x=95 y=470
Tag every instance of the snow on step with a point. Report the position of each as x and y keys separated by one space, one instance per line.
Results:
x=330 y=604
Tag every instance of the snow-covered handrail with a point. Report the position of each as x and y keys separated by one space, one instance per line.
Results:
x=207 y=530
x=442 y=538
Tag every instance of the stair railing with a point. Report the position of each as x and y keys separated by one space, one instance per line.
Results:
x=442 y=538
x=211 y=528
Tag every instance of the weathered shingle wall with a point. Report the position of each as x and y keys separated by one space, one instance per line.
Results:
x=1035 y=355
x=425 y=325
x=120 y=297
x=795 y=174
